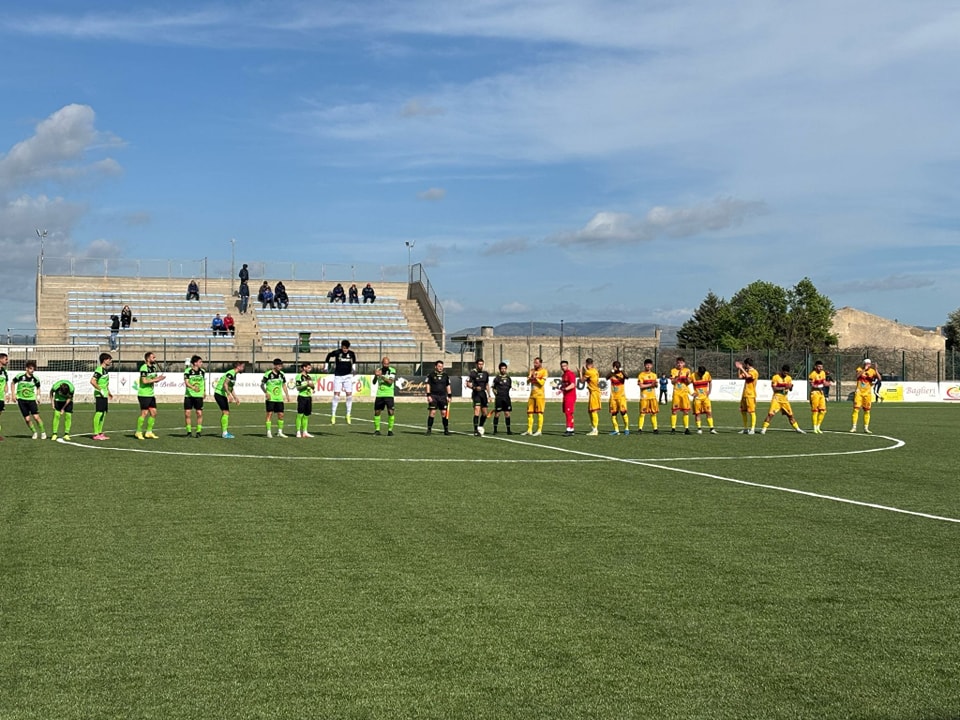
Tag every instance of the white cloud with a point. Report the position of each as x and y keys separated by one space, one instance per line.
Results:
x=415 y=108
x=432 y=194
x=510 y=246
x=609 y=228
x=515 y=308
x=56 y=150
x=453 y=306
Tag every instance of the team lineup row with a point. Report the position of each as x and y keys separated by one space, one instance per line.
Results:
x=691 y=396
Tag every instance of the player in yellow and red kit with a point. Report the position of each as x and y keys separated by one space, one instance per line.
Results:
x=535 y=404
x=867 y=376
x=681 y=377
x=648 y=382
x=818 y=400
x=702 y=385
x=618 y=398
x=591 y=376
x=782 y=384
x=748 y=400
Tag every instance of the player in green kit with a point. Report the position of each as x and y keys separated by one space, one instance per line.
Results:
x=385 y=379
x=61 y=400
x=274 y=386
x=305 y=388
x=146 y=395
x=101 y=395
x=194 y=390
x=223 y=394
x=3 y=383
x=26 y=387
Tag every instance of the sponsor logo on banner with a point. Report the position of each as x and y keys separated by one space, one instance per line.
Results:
x=891 y=392
x=920 y=391
x=952 y=392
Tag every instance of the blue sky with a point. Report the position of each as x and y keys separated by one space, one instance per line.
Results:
x=577 y=160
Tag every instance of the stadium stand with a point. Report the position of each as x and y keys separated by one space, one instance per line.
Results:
x=75 y=310
x=369 y=327
x=161 y=318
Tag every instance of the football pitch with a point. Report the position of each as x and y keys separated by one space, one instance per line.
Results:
x=354 y=576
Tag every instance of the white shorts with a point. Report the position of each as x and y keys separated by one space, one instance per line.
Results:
x=344 y=384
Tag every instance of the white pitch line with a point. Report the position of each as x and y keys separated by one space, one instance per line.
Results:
x=747 y=483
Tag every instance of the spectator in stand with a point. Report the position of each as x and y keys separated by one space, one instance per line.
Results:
x=664 y=383
x=368 y=294
x=354 y=295
x=228 y=325
x=280 y=295
x=265 y=295
x=126 y=317
x=114 y=330
x=193 y=291
x=244 y=274
x=338 y=294
x=217 y=326
x=244 y=296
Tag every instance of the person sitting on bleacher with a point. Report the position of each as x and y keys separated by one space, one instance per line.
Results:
x=337 y=294
x=354 y=295
x=228 y=325
x=217 y=326
x=280 y=295
x=369 y=294
x=193 y=291
x=126 y=317
x=267 y=297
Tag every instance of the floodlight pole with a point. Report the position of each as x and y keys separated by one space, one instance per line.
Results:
x=233 y=262
x=410 y=244
x=42 y=234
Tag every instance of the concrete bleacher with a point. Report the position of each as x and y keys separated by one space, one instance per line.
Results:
x=377 y=327
x=77 y=310
x=162 y=318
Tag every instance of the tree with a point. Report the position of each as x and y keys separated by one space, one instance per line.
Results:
x=709 y=324
x=764 y=316
x=809 y=318
x=952 y=330
x=759 y=315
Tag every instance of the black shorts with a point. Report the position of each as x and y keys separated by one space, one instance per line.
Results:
x=192 y=403
x=502 y=405
x=437 y=402
x=480 y=400
x=100 y=404
x=222 y=402
x=274 y=406
x=28 y=407
x=2 y=405
x=66 y=405
x=383 y=403
x=147 y=402
x=304 y=405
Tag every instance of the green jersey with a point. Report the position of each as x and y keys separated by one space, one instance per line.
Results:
x=386 y=389
x=25 y=387
x=273 y=383
x=62 y=390
x=103 y=382
x=226 y=383
x=194 y=382
x=305 y=385
x=3 y=383
x=147 y=372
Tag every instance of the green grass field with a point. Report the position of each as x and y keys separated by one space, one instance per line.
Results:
x=353 y=576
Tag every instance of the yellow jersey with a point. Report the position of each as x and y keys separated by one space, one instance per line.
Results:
x=818 y=381
x=648 y=385
x=680 y=377
x=750 y=383
x=781 y=383
x=592 y=376
x=701 y=385
x=617 y=383
x=866 y=379
x=537 y=382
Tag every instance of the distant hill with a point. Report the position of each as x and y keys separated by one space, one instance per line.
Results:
x=582 y=329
